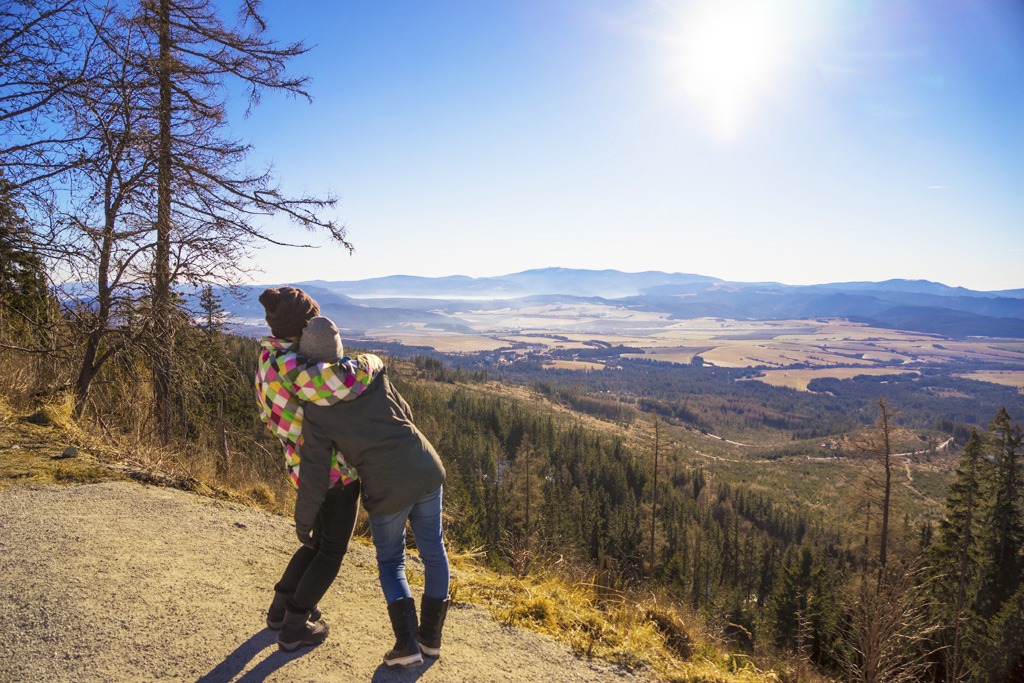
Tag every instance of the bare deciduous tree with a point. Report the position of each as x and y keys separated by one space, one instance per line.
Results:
x=45 y=50
x=654 y=487
x=890 y=629
x=876 y=487
x=103 y=226
x=207 y=209
x=114 y=116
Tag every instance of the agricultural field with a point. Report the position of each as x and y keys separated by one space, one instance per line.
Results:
x=564 y=317
x=671 y=354
x=443 y=342
x=823 y=344
x=574 y=365
x=792 y=352
x=1009 y=378
x=798 y=378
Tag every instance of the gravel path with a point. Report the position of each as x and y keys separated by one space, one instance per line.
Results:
x=120 y=582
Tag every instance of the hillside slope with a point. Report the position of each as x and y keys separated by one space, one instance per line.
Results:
x=118 y=582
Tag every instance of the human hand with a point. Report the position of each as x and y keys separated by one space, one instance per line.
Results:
x=305 y=534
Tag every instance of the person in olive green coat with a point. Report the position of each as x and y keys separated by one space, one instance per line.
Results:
x=401 y=476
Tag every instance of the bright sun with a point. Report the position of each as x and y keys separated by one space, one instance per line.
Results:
x=732 y=51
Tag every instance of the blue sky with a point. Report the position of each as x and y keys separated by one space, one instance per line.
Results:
x=797 y=141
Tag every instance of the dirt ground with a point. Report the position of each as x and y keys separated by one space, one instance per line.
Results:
x=122 y=582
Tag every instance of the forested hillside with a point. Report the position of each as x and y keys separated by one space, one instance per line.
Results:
x=529 y=482
x=727 y=402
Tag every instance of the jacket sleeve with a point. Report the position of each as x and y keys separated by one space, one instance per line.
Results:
x=327 y=383
x=400 y=400
x=314 y=474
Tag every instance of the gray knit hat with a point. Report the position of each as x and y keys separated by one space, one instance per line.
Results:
x=321 y=341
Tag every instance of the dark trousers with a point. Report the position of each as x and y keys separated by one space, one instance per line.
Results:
x=311 y=570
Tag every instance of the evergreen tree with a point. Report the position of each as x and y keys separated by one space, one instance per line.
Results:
x=1004 y=659
x=789 y=606
x=953 y=560
x=212 y=311
x=23 y=290
x=825 y=612
x=1002 y=533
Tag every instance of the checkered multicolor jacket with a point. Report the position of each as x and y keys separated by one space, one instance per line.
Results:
x=284 y=378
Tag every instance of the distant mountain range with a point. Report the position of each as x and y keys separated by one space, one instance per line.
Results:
x=607 y=284
x=435 y=303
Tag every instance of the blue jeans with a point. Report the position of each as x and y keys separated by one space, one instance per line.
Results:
x=389 y=538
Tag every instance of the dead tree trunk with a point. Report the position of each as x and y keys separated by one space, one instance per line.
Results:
x=886 y=456
x=162 y=260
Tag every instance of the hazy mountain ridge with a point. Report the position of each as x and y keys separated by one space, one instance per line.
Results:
x=352 y=317
x=435 y=303
x=568 y=281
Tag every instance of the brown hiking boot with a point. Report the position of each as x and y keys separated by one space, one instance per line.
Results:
x=297 y=631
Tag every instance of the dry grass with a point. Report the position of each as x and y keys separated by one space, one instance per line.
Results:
x=17 y=377
x=47 y=445
x=636 y=632
x=56 y=410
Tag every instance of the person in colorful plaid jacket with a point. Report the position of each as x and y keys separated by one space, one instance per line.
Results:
x=283 y=379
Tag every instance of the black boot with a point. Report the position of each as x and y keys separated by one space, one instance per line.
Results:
x=431 y=624
x=275 y=613
x=297 y=631
x=406 y=651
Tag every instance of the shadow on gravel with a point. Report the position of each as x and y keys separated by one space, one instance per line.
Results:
x=248 y=651
x=385 y=674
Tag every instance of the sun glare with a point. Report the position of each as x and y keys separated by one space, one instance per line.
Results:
x=732 y=52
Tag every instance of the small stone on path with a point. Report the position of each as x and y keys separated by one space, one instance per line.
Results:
x=69 y=452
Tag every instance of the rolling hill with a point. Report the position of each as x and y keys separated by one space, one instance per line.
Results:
x=439 y=304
